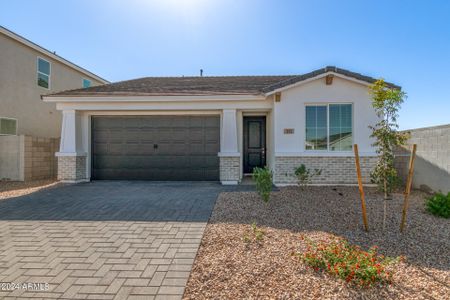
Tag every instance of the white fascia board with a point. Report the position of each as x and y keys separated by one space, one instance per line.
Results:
x=190 y=98
x=165 y=106
x=46 y=52
x=365 y=83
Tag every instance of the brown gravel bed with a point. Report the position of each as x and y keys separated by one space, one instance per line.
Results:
x=228 y=268
x=10 y=189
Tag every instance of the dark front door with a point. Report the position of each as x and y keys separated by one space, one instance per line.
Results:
x=254 y=143
x=155 y=147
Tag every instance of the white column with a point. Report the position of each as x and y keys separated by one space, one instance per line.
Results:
x=229 y=135
x=72 y=162
x=71 y=135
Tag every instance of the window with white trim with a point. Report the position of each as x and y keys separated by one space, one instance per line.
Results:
x=8 y=126
x=329 y=127
x=43 y=73
x=86 y=83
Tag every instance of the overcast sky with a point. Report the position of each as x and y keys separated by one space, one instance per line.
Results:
x=405 y=42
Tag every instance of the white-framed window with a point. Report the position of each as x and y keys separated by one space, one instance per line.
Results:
x=329 y=127
x=86 y=83
x=8 y=126
x=43 y=73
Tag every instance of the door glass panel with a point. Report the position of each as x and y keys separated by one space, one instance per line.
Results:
x=254 y=131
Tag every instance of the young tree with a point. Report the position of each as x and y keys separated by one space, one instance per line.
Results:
x=386 y=101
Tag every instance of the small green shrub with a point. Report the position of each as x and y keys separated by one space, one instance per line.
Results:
x=254 y=235
x=348 y=262
x=305 y=176
x=439 y=205
x=263 y=179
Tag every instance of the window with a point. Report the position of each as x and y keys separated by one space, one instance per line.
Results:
x=8 y=126
x=43 y=73
x=329 y=127
x=316 y=127
x=86 y=83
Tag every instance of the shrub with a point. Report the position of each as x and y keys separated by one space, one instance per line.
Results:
x=255 y=234
x=348 y=262
x=439 y=205
x=263 y=179
x=305 y=176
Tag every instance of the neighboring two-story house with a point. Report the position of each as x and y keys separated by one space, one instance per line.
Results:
x=28 y=71
x=29 y=127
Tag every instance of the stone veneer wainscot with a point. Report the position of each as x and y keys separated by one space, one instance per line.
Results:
x=335 y=169
x=72 y=168
x=230 y=169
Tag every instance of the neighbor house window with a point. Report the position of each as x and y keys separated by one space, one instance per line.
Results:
x=8 y=126
x=43 y=73
x=86 y=83
x=329 y=127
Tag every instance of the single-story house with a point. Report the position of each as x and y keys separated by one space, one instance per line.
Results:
x=218 y=128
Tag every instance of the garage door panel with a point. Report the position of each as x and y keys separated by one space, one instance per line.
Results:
x=101 y=123
x=196 y=122
x=212 y=134
x=211 y=161
x=139 y=149
x=210 y=149
x=212 y=122
x=187 y=147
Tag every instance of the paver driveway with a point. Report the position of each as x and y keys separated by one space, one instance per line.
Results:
x=105 y=239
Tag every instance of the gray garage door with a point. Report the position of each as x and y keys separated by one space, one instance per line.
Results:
x=155 y=147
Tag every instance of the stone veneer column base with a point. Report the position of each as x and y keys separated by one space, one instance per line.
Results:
x=230 y=169
x=72 y=169
x=335 y=169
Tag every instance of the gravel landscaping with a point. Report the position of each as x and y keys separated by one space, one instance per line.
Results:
x=10 y=189
x=228 y=266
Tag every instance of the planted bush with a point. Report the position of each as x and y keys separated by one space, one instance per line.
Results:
x=348 y=262
x=305 y=175
x=263 y=179
x=439 y=205
x=254 y=235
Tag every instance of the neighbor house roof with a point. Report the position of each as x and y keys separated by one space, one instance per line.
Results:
x=50 y=54
x=207 y=85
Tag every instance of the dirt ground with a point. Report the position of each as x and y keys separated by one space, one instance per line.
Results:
x=10 y=189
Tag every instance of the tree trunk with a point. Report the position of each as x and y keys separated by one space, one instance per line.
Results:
x=385 y=204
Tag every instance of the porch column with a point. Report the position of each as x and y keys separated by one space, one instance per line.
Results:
x=71 y=158
x=230 y=158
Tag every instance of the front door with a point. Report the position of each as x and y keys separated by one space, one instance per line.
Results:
x=254 y=143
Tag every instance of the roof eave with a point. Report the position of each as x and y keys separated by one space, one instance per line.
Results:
x=154 y=98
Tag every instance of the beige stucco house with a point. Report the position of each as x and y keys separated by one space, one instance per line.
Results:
x=218 y=128
x=26 y=72
x=30 y=128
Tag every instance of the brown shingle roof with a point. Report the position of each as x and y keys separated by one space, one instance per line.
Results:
x=208 y=85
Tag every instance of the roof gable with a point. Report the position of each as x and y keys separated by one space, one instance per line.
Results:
x=322 y=73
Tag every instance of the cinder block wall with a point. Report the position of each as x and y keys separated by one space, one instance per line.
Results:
x=432 y=165
x=40 y=160
x=28 y=158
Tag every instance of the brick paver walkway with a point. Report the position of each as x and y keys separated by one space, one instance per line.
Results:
x=104 y=240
